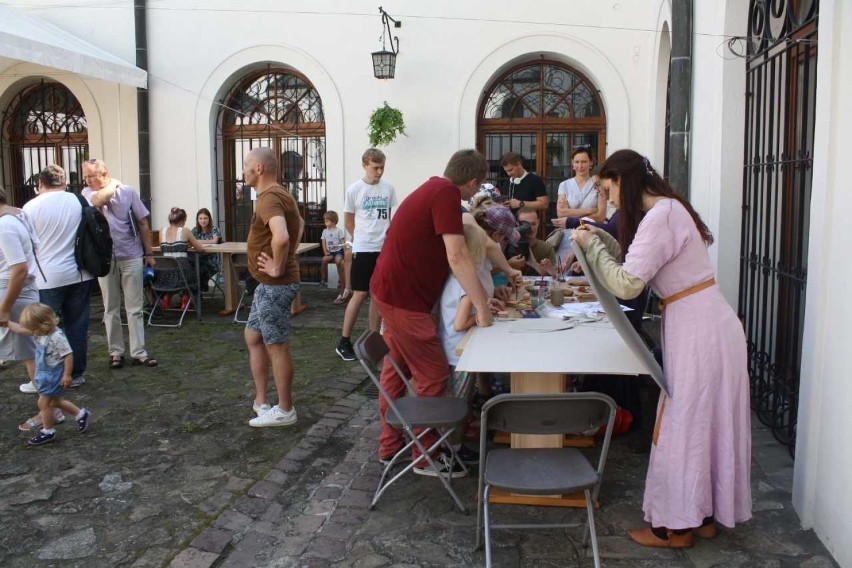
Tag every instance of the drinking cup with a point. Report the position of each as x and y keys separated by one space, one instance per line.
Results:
x=557 y=296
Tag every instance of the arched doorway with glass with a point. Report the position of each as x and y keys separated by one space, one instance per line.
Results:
x=43 y=124
x=541 y=110
x=278 y=108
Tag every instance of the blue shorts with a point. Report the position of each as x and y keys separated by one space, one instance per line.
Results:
x=48 y=385
x=336 y=254
x=270 y=311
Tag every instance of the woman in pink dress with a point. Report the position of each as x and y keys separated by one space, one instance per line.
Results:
x=699 y=472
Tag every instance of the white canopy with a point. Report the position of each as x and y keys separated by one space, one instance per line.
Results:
x=27 y=38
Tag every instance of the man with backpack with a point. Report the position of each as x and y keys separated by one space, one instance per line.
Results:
x=55 y=216
x=131 y=238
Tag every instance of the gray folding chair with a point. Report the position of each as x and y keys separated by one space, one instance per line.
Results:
x=164 y=264
x=217 y=278
x=411 y=413
x=544 y=471
x=239 y=265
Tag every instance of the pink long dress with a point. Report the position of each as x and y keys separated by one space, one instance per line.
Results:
x=701 y=463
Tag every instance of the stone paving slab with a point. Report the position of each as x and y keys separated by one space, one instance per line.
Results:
x=323 y=519
x=305 y=503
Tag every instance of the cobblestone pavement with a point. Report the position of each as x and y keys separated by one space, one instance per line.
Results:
x=169 y=447
x=312 y=510
x=299 y=497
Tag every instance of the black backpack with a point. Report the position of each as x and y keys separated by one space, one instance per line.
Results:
x=93 y=246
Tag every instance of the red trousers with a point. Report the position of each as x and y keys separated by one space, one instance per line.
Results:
x=413 y=341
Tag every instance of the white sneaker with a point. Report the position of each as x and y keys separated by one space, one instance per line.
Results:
x=274 y=417
x=259 y=408
x=28 y=388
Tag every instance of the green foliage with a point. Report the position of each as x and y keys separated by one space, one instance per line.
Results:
x=386 y=123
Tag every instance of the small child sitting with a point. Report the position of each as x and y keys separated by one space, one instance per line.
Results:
x=457 y=314
x=53 y=364
x=333 y=239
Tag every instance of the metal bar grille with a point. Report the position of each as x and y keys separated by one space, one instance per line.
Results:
x=778 y=157
x=279 y=109
x=43 y=124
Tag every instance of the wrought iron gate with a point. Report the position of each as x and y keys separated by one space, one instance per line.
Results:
x=780 y=99
x=43 y=124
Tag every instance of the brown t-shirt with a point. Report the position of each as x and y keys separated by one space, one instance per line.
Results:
x=275 y=201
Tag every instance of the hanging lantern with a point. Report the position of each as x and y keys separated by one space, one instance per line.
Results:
x=384 y=61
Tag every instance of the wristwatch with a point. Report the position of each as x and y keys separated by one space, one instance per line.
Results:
x=521 y=203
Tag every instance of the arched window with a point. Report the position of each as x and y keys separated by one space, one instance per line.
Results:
x=540 y=110
x=44 y=124
x=280 y=109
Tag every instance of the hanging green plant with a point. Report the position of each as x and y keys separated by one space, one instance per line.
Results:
x=386 y=123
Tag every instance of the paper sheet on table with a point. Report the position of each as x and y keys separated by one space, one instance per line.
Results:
x=585 y=309
x=619 y=320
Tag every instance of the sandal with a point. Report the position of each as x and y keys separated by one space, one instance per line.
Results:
x=144 y=361
x=343 y=297
x=116 y=361
x=32 y=424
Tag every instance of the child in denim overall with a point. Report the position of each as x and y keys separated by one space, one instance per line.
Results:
x=53 y=365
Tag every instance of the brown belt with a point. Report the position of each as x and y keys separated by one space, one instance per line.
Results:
x=663 y=303
x=684 y=293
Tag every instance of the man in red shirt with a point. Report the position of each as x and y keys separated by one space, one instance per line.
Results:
x=424 y=242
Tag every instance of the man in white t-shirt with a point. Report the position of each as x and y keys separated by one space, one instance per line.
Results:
x=366 y=215
x=55 y=215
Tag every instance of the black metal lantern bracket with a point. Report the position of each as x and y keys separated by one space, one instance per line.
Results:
x=384 y=61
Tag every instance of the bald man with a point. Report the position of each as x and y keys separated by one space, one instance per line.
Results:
x=273 y=238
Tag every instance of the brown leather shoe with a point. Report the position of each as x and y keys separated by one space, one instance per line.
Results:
x=706 y=531
x=646 y=537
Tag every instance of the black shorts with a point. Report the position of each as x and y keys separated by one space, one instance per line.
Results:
x=363 y=265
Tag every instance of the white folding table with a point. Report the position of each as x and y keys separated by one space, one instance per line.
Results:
x=538 y=354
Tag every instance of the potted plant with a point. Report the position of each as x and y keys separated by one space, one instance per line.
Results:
x=386 y=123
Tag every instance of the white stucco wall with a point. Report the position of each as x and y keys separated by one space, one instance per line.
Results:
x=450 y=52
x=110 y=108
x=822 y=493
x=717 y=117
x=110 y=111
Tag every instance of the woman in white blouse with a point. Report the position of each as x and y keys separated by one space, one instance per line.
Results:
x=579 y=196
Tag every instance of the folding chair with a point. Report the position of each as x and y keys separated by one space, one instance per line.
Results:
x=217 y=278
x=239 y=265
x=410 y=413
x=542 y=471
x=166 y=264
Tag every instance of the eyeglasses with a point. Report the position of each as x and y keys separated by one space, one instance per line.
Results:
x=583 y=147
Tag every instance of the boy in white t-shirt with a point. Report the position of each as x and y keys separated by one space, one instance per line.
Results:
x=333 y=239
x=366 y=213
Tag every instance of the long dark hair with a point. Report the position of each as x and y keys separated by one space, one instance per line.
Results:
x=634 y=174
x=209 y=216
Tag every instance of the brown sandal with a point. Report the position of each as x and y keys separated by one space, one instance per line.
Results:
x=706 y=531
x=144 y=362
x=116 y=361
x=646 y=537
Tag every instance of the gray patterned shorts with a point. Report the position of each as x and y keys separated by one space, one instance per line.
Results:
x=270 y=311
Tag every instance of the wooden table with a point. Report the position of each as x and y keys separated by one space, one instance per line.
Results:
x=231 y=288
x=538 y=356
